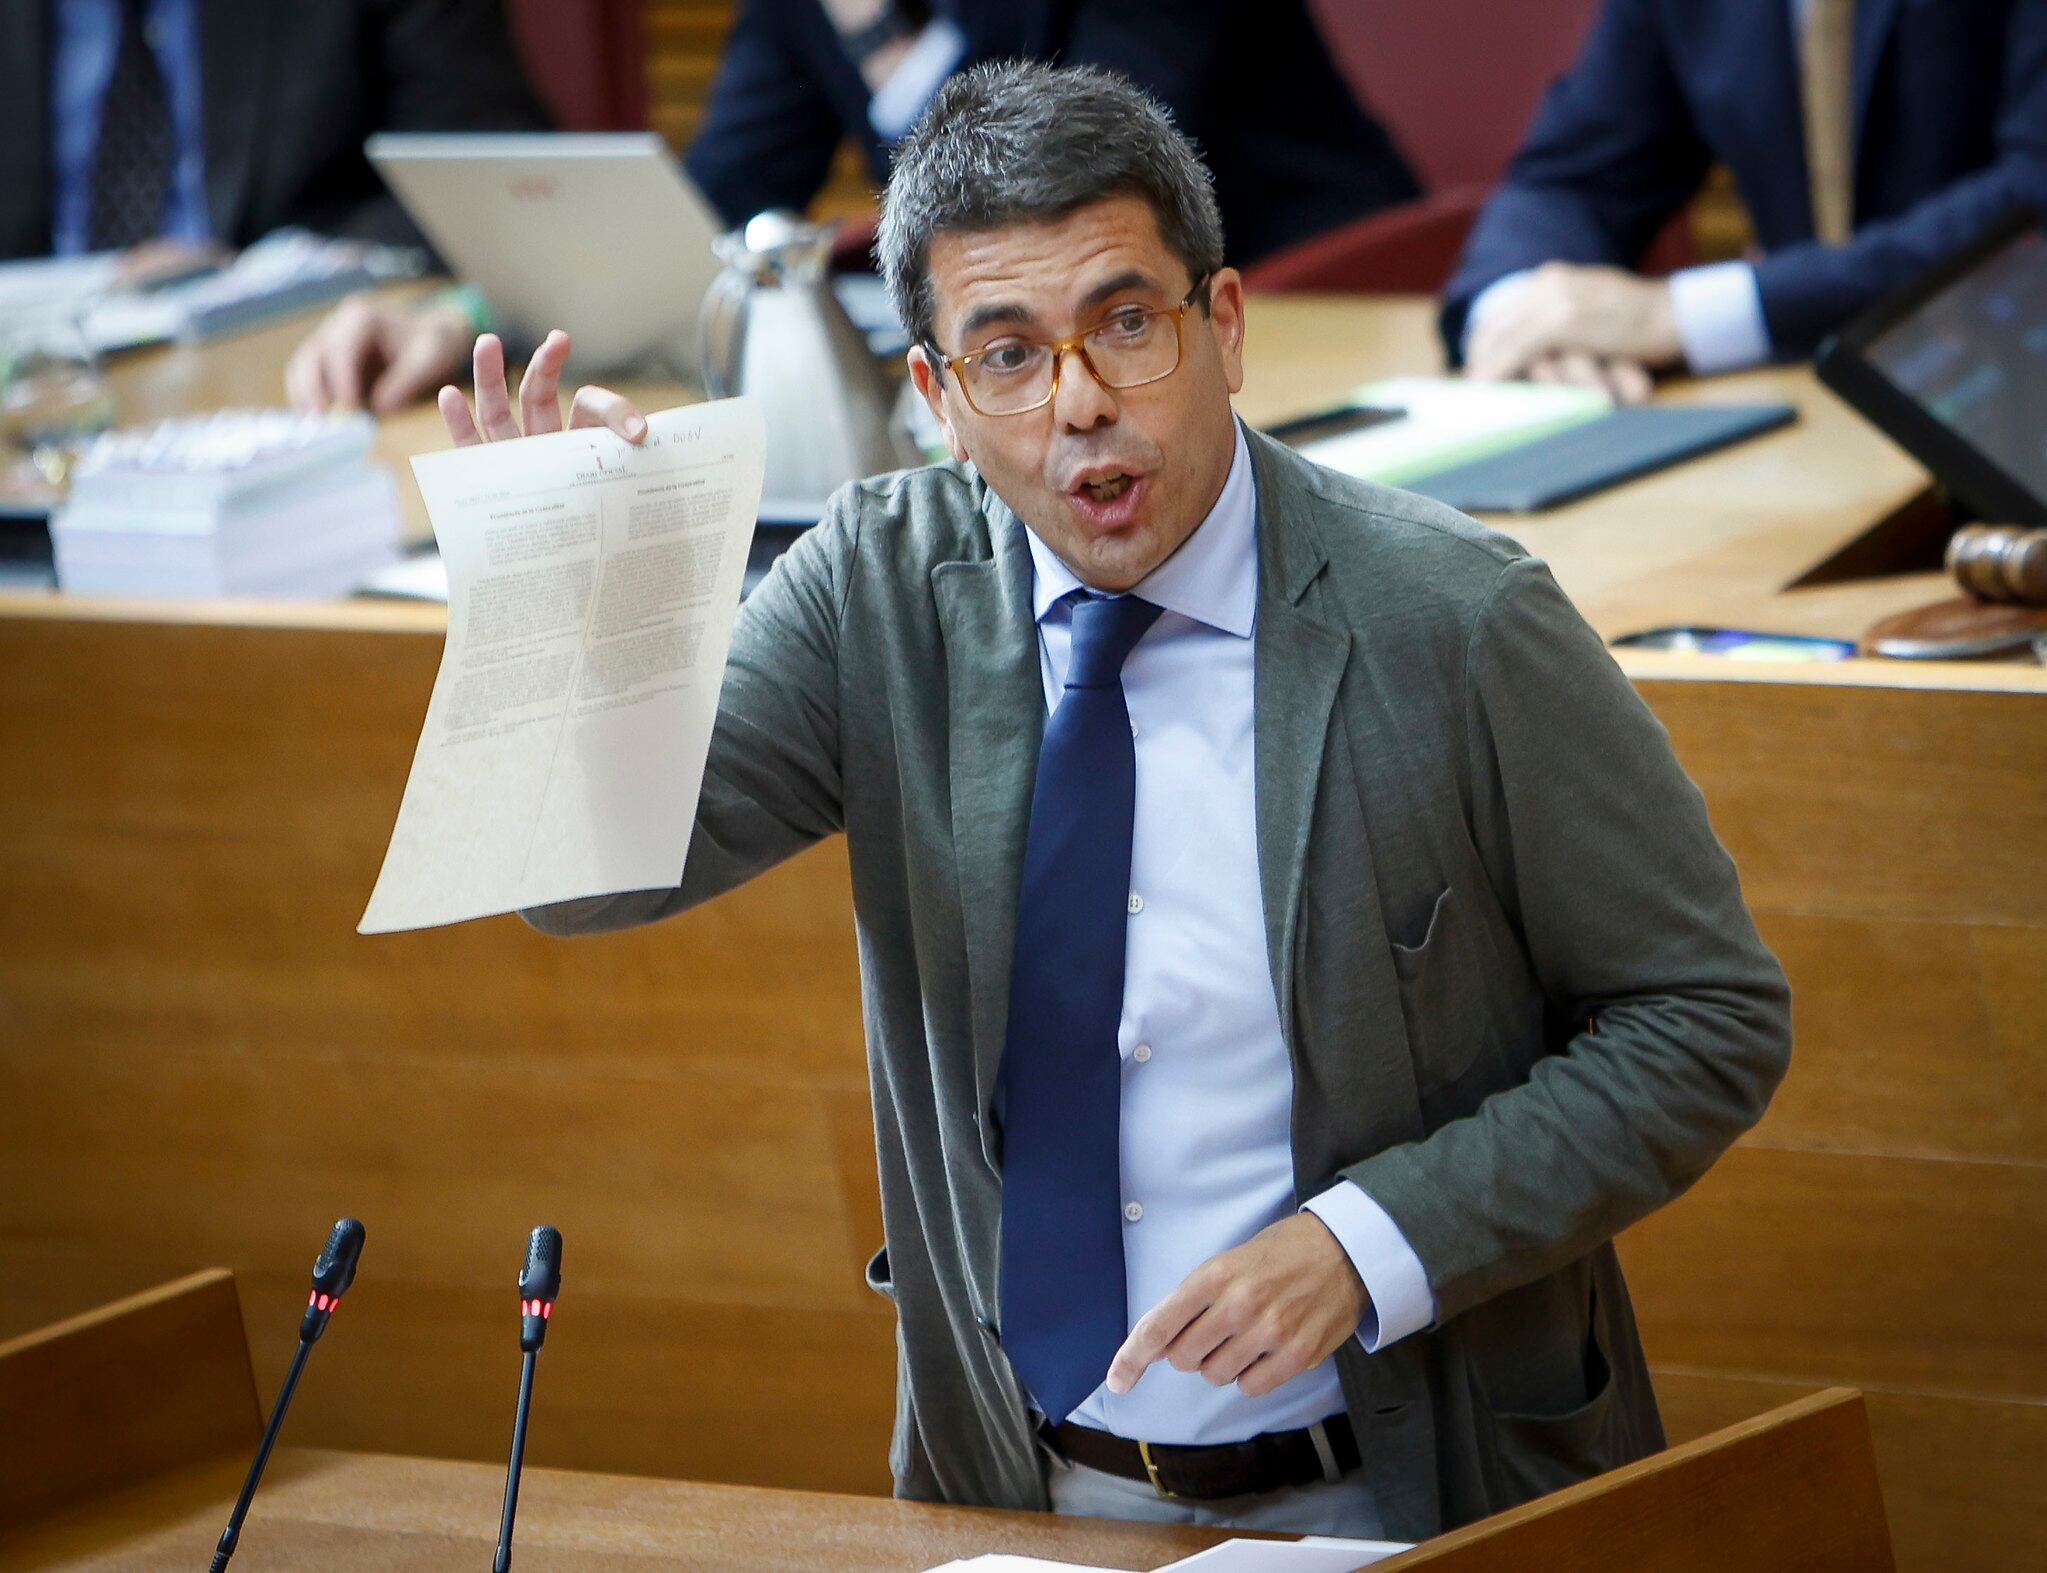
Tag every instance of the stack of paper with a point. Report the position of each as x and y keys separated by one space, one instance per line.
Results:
x=245 y=502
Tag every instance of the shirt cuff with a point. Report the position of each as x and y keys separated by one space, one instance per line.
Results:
x=1495 y=294
x=1394 y=1277
x=1719 y=313
x=930 y=59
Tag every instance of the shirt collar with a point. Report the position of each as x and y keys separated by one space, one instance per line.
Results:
x=1212 y=578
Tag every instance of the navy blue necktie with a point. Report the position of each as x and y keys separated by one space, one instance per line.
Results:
x=1063 y=1295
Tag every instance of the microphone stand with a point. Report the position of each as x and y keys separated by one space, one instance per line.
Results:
x=503 y=1563
x=539 y=1282
x=333 y=1272
x=233 y=1532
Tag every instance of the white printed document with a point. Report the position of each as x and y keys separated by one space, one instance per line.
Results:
x=1310 y=1554
x=592 y=588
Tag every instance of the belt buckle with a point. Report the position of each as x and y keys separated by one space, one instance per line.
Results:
x=1151 y=1468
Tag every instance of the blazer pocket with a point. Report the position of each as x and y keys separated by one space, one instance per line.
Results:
x=1409 y=960
x=877 y=1276
x=1442 y=1000
x=1541 y=1453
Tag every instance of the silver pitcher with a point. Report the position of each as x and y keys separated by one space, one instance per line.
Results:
x=771 y=327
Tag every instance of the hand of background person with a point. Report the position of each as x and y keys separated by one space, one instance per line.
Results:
x=373 y=354
x=1625 y=381
x=1576 y=322
x=1279 y=1304
x=849 y=17
x=539 y=399
x=156 y=262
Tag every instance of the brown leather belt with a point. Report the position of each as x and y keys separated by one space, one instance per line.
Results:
x=1324 y=1451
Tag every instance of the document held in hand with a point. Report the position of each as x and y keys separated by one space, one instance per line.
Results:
x=592 y=588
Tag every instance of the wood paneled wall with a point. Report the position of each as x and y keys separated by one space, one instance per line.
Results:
x=1886 y=1224
x=684 y=38
x=204 y=1064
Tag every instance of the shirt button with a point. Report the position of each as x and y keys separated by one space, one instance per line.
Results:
x=1136 y=903
x=1133 y=729
x=1141 y=1053
x=1133 y=1211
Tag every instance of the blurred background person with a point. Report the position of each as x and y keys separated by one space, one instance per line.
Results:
x=1867 y=138
x=200 y=125
x=1251 y=81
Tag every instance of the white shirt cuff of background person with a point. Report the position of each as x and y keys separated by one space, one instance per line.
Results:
x=1394 y=1276
x=1719 y=312
x=937 y=49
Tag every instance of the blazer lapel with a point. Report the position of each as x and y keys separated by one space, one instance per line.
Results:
x=233 y=83
x=1367 y=1073
x=996 y=720
x=1300 y=663
x=25 y=129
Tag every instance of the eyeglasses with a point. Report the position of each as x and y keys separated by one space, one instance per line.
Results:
x=1129 y=348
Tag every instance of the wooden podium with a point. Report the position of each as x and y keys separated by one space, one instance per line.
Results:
x=125 y=1434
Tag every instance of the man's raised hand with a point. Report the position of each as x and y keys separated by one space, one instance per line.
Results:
x=539 y=399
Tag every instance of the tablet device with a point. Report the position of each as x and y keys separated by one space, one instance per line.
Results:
x=599 y=233
x=1953 y=368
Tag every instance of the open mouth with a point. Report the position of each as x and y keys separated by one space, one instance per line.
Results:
x=1107 y=488
x=1109 y=499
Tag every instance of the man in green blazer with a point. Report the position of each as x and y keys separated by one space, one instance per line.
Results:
x=1290 y=950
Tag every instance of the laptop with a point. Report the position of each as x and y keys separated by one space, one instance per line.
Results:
x=1953 y=368
x=599 y=233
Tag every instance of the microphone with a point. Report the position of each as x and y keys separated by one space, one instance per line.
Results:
x=333 y=1272
x=540 y=1282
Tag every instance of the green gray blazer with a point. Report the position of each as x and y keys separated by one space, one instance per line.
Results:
x=1523 y=999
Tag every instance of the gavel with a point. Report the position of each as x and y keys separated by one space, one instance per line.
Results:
x=2000 y=562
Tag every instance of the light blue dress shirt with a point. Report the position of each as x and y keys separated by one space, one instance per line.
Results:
x=86 y=40
x=1718 y=307
x=1206 y=1147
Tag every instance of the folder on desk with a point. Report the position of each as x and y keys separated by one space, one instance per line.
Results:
x=1514 y=447
x=1562 y=466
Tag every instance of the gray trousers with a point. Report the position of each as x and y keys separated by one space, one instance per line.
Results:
x=1337 y=1507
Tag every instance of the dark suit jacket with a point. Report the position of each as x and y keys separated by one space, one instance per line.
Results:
x=289 y=91
x=1951 y=131
x=1250 y=80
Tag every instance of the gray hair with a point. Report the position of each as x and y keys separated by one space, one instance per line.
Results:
x=1018 y=142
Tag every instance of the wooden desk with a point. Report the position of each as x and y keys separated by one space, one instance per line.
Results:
x=320 y=1508
x=203 y=1062
x=1791 y=1492
x=1723 y=539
